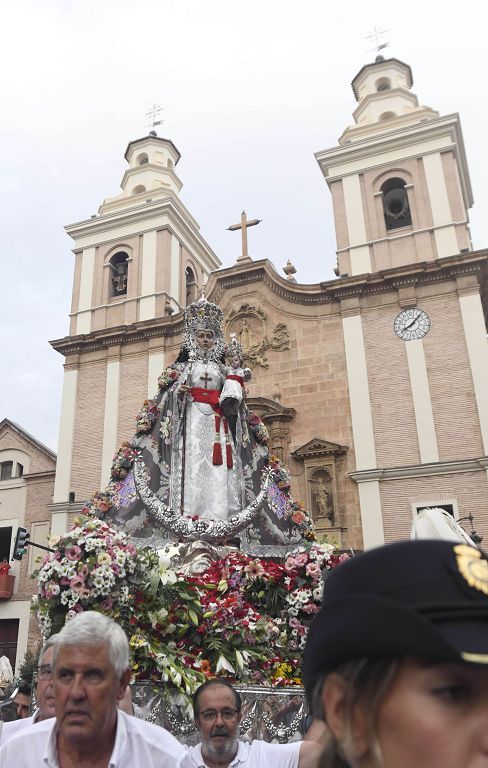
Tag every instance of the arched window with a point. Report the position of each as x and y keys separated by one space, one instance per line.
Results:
x=119 y=266
x=142 y=159
x=395 y=204
x=383 y=84
x=386 y=116
x=6 y=469
x=138 y=189
x=191 y=286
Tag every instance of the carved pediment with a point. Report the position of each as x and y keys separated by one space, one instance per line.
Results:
x=318 y=447
x=270 y=410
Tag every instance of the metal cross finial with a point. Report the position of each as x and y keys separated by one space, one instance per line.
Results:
x=244 y=225
x=375 y=36
x=152 y=114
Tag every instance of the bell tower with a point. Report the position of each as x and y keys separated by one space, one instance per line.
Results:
x=399 y=178
x=140 y=255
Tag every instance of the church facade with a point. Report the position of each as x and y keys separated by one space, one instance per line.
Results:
x=373 y=386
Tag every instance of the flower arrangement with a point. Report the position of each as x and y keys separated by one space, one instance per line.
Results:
x=258 y=429
x=123 y=461
x=244 y=618
x=147 y=416
x=167 y=377
x=94 y=567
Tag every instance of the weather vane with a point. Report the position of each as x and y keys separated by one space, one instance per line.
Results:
x=375 y=37
x=152 y=115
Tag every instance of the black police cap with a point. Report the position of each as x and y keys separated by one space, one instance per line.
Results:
x=422 y=598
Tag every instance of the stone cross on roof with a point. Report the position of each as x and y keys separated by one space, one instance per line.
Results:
x=244 y=225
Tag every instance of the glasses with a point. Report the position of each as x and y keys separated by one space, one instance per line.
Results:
x=44 y=672
x=227 y=715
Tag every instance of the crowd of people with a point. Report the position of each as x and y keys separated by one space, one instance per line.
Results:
x=395 y=670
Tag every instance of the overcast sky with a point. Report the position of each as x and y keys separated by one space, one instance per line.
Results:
x=250 y=91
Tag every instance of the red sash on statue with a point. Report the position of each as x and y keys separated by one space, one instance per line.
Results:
x=211 y=396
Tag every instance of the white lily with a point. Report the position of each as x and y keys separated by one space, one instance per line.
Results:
x=223 y=663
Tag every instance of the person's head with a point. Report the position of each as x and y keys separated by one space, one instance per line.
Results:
x=90 y=675
x=397 y=658
x=205 y=338
x=234 y=351
x=44 y=689
x=22 y=700
x=217 y=710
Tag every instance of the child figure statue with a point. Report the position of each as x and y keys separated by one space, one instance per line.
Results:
x=234 y=392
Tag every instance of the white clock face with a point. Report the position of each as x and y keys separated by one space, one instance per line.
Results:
x=412 y=324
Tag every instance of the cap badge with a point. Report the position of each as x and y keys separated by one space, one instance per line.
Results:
x=472 y=566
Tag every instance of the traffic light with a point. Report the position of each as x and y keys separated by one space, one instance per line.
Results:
x=21 y=543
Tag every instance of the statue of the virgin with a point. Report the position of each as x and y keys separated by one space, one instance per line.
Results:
x=198 y=467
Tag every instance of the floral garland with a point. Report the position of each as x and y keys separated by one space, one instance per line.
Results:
x=258 y=429
x=243 y=618
x=123 y=461
x=167 y=377
x=147 y=416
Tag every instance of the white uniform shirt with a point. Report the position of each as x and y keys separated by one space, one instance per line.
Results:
x=12 y=728
x=137 y=745
x=254 y=754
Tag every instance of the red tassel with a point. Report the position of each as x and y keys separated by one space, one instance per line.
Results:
x=217 y=454
x=217 y=450
x=228 y=451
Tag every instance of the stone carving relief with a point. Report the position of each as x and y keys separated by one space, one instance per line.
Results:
x=250 y=324
x=324 y=467
x=321 y=485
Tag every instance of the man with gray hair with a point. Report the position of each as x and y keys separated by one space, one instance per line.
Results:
x=90 y=674
x=44 y=694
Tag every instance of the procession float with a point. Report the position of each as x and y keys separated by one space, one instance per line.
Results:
x=197 y=548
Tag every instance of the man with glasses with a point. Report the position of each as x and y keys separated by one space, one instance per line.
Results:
x=217 y=711
x=44 y=694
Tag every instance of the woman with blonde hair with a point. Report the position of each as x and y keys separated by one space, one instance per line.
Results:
x=397 y=658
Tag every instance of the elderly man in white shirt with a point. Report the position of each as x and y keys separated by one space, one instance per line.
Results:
x=217 y=710
x=90 y=675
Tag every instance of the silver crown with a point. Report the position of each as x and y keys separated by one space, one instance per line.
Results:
x=203 y=315
x=234 y=347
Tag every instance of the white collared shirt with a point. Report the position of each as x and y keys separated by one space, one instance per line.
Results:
x=12 y=728
x=254 y=754
x=137 y=745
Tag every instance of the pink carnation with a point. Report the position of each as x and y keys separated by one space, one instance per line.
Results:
x=313 y=570
x=73 y=553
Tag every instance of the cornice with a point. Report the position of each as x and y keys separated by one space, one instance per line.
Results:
x=264 y=272
x=423 y=273
x=421 y=470
x=401 y=137
x=122 y=334
x=47 y=474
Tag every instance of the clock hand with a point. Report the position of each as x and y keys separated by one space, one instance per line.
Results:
x=412 y=322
